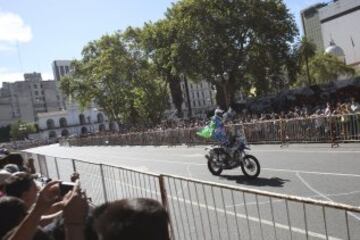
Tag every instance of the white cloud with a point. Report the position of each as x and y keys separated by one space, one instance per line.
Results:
x=10 y=76
x=13 y=29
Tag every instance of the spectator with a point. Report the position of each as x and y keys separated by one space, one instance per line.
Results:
x=23 y=186
x=12 y=168
x=132 y=219
x=12 y=211
x=75 y=209
x=3 y=176
x=355 y=107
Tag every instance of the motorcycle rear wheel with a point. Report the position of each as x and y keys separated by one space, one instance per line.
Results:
x=250 y=166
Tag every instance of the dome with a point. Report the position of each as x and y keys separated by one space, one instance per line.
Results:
x=335 y=50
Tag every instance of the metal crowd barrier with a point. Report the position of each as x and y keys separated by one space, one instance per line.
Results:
x=337 y=128
x=206 y=210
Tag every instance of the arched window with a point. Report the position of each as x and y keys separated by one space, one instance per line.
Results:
x=63 y=122
x=50 y=124
x=52 y=134
x=82 y=119
x=65 y=133
x=102 y=128
x=100 y=118
x=84 y=130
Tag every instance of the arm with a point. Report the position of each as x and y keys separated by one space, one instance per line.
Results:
x=28 y=227
x=75 y=213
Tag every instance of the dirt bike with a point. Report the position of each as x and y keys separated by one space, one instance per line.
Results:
x=221 y=158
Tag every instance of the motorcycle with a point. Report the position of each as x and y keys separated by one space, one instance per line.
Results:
x=219 y=159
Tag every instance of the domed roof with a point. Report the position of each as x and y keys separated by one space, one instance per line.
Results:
x=335 y=50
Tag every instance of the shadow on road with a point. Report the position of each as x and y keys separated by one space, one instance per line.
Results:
x=260 y=182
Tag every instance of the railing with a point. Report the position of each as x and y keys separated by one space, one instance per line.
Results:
x=344 y=128
x=206 y=210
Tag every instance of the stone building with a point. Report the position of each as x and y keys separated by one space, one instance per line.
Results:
x=72 y=122
x=23 y=100
x=202 y=99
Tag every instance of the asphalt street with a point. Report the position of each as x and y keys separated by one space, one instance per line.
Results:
x=313 y=170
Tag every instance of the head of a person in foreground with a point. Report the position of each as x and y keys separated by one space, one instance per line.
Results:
x=132 y=219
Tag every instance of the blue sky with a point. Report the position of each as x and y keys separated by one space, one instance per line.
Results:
x=33 y=33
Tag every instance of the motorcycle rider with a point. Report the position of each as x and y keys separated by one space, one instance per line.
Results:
x=219 y=132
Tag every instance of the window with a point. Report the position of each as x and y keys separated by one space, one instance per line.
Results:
x=66 y=69
x=35 y=86
x=204 y=103
x=199 y=104
x=202 y=93
x=36 y=93
x=42 y=92
x=62 y=70
x=198 y=94
x=194 y=103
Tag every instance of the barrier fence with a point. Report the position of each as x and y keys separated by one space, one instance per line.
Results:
x=336 y=128
x=206 y=210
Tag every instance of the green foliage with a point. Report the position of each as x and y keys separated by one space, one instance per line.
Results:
x=115 y=73
x=324 y=68
x=305 y=50
x=236 y=37
x=20 y=130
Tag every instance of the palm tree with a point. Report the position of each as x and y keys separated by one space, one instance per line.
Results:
x=306 y=50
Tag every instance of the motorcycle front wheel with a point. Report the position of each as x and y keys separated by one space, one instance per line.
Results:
x=214 y=168
x=250 y=166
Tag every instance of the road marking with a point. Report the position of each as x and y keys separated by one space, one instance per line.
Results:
x=312 y=151
x=254 y=219
x=311 y=172
x=280 y=200
x=321 y=194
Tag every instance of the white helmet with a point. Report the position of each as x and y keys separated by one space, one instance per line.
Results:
x=218 y=112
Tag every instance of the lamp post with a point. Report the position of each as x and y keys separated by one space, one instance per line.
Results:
x=223 y=80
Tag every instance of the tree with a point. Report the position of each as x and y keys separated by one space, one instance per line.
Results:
x=230 y=38
x=169 y=45
x=306 y=50
x=20 y=130
x=325 y=68
x=116 y=75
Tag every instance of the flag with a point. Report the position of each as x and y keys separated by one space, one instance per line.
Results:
x=207 y=131
x=352 y=42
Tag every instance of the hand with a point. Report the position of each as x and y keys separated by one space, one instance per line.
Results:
x=47 y=197
x=76 y=206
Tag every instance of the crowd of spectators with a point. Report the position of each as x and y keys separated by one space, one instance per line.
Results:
x=37 y=208
x=246 y=116
x=304 y=111
x=28 y=143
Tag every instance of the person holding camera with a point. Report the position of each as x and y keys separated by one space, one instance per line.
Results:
x=72 y=206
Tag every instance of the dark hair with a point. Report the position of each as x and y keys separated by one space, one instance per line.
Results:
x=132 y=219
x=18 y=183
x=14 y=158
x=12 y=211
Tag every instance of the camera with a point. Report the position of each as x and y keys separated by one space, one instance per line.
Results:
x=65 y=187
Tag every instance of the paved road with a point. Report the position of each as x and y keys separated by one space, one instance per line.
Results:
x=304 y=170
x=315 y=171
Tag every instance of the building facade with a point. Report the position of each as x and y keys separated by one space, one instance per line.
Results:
x=339 y=24
x=23 y=100
x=202 y=99
x=61 y=68
x=72 y=122
x=310 y=19
x=335 y=23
